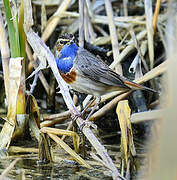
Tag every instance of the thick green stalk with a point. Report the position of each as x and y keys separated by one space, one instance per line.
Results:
x=14 y=42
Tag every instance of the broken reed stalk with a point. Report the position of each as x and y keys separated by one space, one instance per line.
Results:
x=41 y=49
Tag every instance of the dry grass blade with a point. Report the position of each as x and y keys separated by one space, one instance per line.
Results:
x=43 y=16
x=113 y=34
x=127 y=144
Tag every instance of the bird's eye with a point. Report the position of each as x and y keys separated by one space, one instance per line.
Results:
x=61 y=42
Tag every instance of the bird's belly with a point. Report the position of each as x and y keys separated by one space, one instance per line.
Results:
x=88 y=86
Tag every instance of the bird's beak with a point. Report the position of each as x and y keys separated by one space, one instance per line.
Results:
x=72 y=41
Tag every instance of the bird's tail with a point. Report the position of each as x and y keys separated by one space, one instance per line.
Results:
x=136 y=86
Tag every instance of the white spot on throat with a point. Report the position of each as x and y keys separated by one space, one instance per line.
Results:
x=66 y=58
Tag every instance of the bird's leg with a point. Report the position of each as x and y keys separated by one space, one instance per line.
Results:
x=74 y=117
x=88 y=123
x=88 y=105
x=79 y=114
x=98 y=100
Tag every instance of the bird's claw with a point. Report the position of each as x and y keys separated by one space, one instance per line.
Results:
x=75 y=116
x=87 y=124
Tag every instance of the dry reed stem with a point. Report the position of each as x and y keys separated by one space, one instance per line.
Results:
x=156 y=13
x=86 y=24
x=153 y=73
x=88 y=28
x=17 y=149
x=104 y=19
x=140 y=53
x=150 y=33
x=113 y=34
x=146 y=116
x=128 y=49
x=81 y=22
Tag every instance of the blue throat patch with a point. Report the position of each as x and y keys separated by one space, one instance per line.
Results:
x=65 y=61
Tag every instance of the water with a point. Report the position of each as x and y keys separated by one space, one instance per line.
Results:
x=60 y=169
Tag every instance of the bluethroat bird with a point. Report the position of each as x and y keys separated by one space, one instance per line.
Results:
x=86 y=73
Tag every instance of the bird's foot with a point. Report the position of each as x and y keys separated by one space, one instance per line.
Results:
x=87 y=124
x=75 y=116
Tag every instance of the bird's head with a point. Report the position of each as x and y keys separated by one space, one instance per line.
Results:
x=64 y=39
x=66 y=50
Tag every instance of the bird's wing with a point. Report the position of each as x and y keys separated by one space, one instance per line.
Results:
x=97 y=70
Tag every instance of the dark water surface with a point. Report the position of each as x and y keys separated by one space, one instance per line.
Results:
x=64 y=169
